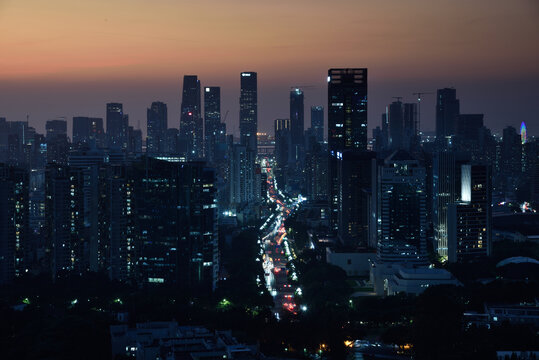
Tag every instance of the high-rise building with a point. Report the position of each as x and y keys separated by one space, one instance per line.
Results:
x=283 y=149
x=116 y=126
x=241 y=175
x=412 y=140
x=212 y=122
x=297 y=119
x=317 y=122
x=469 y=220
x=7 y=227
x=402 y=209
x=157 y=125
x=355 y=171
x=447 y=167
x=347 y=125
x=88 y=131
x=57 y=143
x=191 y=134
x=316 y=172
x=54 y=128
x=249 y=110
x=115 y=217
x=176 y=223
x=511 y=155
x=396 y=125
x=447 y=112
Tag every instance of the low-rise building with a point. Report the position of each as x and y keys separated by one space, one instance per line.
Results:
x=416 y=280
x=168 y=341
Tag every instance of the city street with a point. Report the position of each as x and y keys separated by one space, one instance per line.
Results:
x=276 y=249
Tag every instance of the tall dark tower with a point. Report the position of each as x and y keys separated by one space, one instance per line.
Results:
x=297 y=121
x=317 y=122
x=191 y=120
x=249 y=110
x=157 y=128
x=212 y=120
x=447 y=112
x=116 y=130
x=347 y=125
x=396 y=125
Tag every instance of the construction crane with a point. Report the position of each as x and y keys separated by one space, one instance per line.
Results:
x=303 y=87
x=419 y=94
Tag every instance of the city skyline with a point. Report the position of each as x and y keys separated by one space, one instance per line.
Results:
x=116 y=54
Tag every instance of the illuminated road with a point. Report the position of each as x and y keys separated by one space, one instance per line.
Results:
x=276 y=249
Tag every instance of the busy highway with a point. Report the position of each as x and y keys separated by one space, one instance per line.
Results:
x=277 y=249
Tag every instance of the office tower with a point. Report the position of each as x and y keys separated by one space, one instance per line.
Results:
x=396 y=125
x=385 y=129
x=446 y=190
x=355 y=180
x=241 y=175
x=468 y=126
x=283 y=150
x=316 y=172
x=317 y=122
x=249 y=110
x=88 y=131
x=447 y=111
x=176 y=223
x=511 y=154
x=347 y=124
x=134 y=140
x=412 y=139
x=191 y=133
x=55 y=127
x=402 y=209
x=116 y=126
x=157 y=124
x=198 y=192
x=212 y=122
x=57 y=143
x=469 y=220
x=297 y=121
x=172 y=142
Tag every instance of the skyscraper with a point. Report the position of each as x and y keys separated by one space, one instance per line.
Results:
x=317 y=122
x=283 y=146
x=191 y=134
x=411 y=133
x=347 y=109
x=157 y=124
x=212 y=121
x=249 y=110
x=116 y=129
x=57 y=144
x=355 y=179
x=447 y=111
x=446 y=190
x=469 y=220
x=347 y=124
x=402 y=209
x=297 y=121
x=396 y=125
x=7 y=227
x=88 y=131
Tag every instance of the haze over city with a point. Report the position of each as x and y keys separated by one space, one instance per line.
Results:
x=69 y=58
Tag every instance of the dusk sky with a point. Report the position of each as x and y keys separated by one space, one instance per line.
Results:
x=69 y=58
